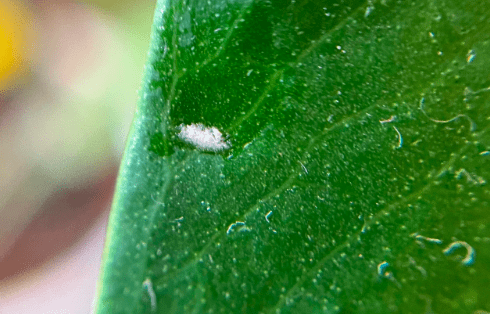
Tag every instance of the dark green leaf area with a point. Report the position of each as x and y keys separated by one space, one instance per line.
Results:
x=355 y=151
x=215 y=68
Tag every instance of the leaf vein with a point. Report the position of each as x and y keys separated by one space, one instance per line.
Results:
x=275 y=77
x=283 y=187
x=389 y=208
x=223 y=44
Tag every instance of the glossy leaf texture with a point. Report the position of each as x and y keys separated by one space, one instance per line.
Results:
x=307 y=157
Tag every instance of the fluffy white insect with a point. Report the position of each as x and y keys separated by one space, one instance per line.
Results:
x=204 y=138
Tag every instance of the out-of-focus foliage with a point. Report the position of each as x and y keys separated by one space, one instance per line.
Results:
x=16 y=41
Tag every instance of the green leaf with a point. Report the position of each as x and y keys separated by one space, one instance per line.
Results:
x=307 y=157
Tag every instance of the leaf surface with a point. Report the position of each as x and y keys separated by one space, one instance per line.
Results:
x=307 y=157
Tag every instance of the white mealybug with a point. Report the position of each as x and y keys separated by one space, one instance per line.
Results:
x=204 y=138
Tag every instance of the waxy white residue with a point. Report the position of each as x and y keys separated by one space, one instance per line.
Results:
x=204 y=138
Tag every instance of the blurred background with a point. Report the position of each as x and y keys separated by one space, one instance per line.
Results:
x=69 y=75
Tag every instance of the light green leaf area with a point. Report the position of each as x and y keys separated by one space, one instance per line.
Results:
x=307 y=157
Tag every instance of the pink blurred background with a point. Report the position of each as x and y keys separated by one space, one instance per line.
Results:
x=69 y=75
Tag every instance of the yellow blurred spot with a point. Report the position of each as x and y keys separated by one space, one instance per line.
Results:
x=15 y=42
